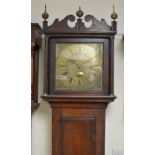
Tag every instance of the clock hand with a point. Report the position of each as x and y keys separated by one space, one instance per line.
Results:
x=65 y=73
x=73 y=62
x=79 y=82
x=71 y=79
x=79 y=66
x=62 y=66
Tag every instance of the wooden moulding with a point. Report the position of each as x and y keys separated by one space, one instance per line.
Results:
x=36 y=32
x=62 y=26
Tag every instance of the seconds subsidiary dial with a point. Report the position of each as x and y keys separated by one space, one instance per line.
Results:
x=79 y=66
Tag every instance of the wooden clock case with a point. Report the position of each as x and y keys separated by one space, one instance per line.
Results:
x=78 y=117
x=36 y=32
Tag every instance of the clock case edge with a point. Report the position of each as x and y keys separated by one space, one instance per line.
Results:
x=36 y=32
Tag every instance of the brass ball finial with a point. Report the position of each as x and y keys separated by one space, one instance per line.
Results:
x=45 y=15
x=79 y=13
x=114 y=14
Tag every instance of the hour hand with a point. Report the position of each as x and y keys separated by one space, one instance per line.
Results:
x=71 y=79
x=79 y=66
x=65 y=73
x=73 y=62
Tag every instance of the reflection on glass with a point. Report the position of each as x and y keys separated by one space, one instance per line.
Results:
x=79 y=66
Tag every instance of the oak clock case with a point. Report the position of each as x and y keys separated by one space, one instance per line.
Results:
x=78 y=82
x=36 y=32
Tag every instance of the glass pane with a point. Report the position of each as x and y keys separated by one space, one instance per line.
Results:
x=79 y=66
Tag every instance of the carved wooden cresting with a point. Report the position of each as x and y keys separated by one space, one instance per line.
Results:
x=62 y=26
x=78 y=115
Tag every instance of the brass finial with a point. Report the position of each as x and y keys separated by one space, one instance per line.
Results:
x=114 y=14
x=79 y=13
x=45 y=15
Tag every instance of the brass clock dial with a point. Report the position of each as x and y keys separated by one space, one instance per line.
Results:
x=79 y=66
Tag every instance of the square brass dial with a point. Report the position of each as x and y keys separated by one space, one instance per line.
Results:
x=79 y=66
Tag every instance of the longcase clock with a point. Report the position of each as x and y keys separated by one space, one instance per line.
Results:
x=79 y=81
